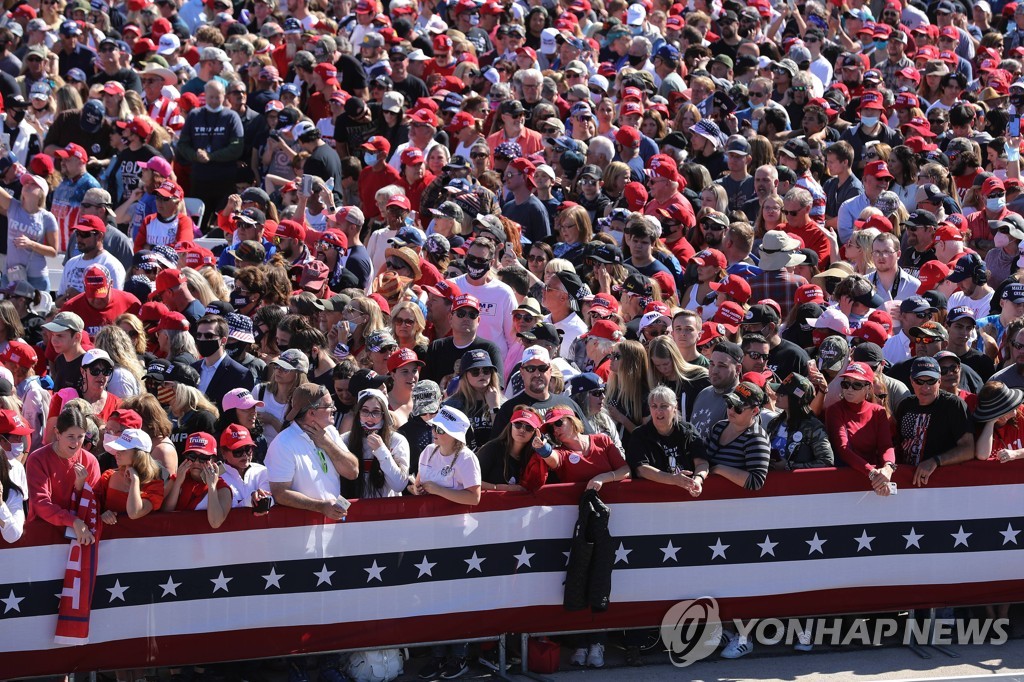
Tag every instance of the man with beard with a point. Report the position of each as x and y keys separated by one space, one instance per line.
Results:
x=729 y=41
x=870 y=128
x=920 y=227
x=212 y=141
x=464 y=318
x=724 y=374
x=766 y=184
x=536 y=367
x=292 y=242
x=88 y=234
x=895 y=59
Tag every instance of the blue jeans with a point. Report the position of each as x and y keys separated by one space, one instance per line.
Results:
x=40 y=283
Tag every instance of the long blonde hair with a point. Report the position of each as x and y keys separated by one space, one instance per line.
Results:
x=664 y=348
x=188 y=399
x=419 y=338
x=471 y=398
x=629 y=385
x=145 y=466
x=198 y=286
x=118 y=345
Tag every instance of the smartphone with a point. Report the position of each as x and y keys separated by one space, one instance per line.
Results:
x=892 y=488
x=262 y=506
x=342 y=504
x=1015 y=127
x=307 y=185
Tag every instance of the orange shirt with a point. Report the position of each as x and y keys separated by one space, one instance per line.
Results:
x=112 y=499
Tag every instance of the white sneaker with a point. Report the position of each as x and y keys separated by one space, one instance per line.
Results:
x=738 y=646
x=579 y=657
x=595 y=657
x=804 y=642
x=716 y=637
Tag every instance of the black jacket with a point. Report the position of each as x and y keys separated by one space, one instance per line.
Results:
x=807 y=447
x=588 y=580
x=228 y=376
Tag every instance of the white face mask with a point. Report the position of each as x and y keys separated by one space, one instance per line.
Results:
x=17 y=449
x=215 y=111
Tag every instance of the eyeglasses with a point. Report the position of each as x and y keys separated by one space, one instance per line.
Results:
x=739 y=409
x=480 y=371
x=463 y=314
x=532 y=369
x=523 y=317
x=101 y=371
x=403 y=321
x=946 y=370
x=925 y=381
x=398 y=265
x=754 y=355
x=853 y=385
x=371 y=414
x=792 y=213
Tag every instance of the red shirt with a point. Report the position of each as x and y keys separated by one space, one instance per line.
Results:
x=682 y=249
x=118 y=303
x=116 y=501
x=66 y=395
x=51 y=483
x=813 y=237
x=689 y=219
x=370 y=182
x=1009 y=436
x=601 y=457
x=193 y=492
x=415 y=192
x=977 y=223
x=860 y=434
x=964 y=183
x=432 y=67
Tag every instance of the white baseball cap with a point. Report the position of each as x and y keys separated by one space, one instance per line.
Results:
x=548 y=44
x=95 y=355
x=453 y=422
x=130 y=438
x=168 y=44
x=636 y=15
x=536 y=353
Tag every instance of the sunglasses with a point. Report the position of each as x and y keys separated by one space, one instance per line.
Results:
x=463 y=314
x=479 y=371
x=532 y=369
x=854 y=385
x=597 y=393
x=523 y=317
x=247 y=451
x=616 y=356
x=925 y=340
x=946 y=370
x=200 y=458
x=560 y=423
x=404 y=321
x=739 y=409
x=439 y=431
x=478 y=156
x=791 y=213
x=397 y=265
x=928 y=381
x=522 y=426
x=754 y=355
x=101 y=371
x=532 y=259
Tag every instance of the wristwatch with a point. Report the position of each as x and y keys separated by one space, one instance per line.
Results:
x=891 y=464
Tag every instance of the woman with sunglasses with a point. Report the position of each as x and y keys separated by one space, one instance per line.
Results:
x=478 y=395
x=859 y=429
x=408 y=325
x=97 y=368
x=509 y=462
x=383 y=452
x=538 y=255
x=798 y=438
x=198 y=485
x=737 y=446
x=248 y=480
x=134 y=487
x=362 y=318
x=588 y=391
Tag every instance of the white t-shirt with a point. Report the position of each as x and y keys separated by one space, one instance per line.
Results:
x=74 y=272
x=497 y=303
x=293 y=458
x=242 y=487
x=572 y=328
x=376 y=245
x=12 y=512
x=980 y=307
x=274 y=409
x=456 y=473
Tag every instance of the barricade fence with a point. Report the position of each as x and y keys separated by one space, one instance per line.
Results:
x=170 y=590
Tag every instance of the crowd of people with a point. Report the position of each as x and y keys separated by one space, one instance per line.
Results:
x=314 y=252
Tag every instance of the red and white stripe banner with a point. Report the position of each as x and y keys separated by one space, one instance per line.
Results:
x=409 y=570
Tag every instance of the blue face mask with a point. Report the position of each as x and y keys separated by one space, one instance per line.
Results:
x=880 y=45
x=869 y=121
x=17 y=450
x=370 y=159
x=995 y=203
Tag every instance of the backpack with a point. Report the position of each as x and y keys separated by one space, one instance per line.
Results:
x=379 y=665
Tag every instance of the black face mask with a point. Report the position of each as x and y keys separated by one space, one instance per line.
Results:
x=18 y=115
x=235 y=350
x=1017 y=100
x=207 y=348
x=637 y=61
x=238 y=300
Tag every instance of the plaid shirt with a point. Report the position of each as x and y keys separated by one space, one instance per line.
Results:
x=778 y=285
x=889 y=70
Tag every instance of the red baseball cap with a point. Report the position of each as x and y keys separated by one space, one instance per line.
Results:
x=947 y=233
x=444 y=289
x=201 y=442
x=401 y=201
x=174 y=322
x=735 y=287
x=730 y=314
x=604 y=329
x=19 y=353
x=808 y=293
x=628 y=136
x=664 y=166
x=878 y=169
x=710 y=257
x=128 y=419
x=412 y=156
x=75 y=150
x=525 y=417
x=931 y=275
x=605 y=301
x=871 y=331
x=90 y=223
x=97 y=282
x=167 y=279
x=466 y=301
x=235 y=436
x=378 y=144
x=13 y=424
x=290 y=229
x=171 y=190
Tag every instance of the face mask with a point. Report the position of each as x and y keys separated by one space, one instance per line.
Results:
x=596 y=96
x=757 y=105
x=165 y=394
x=1001 y=240
x=880 y=46
x=215 y=111
x=754 y=123
x=637 y=61
x=234 y=350
x=370 y=159
x=477 y=272
x=17 y=450
x=1017 y=100
x=352 y=326
x=869 y=121
x=995 y=204
x=208 y=348
x=474 y=20
x=369 y=427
